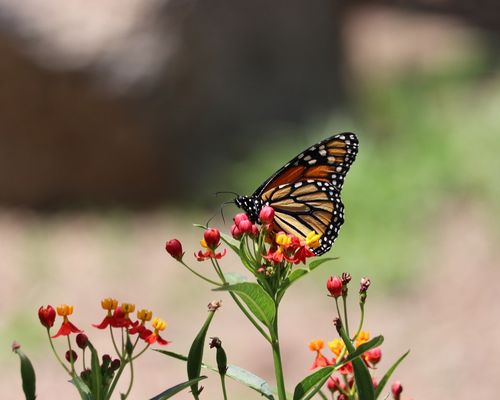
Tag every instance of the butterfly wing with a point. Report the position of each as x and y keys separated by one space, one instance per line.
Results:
x=305 y=192
x=326 y=161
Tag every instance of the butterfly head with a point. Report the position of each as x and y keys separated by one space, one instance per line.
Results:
x=251 y=205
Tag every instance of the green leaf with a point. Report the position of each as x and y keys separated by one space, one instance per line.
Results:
x=177 y=388
x=232 y=243
x=375 y=342
x=312 y=383
x=27 y=375
x=172 y=354
x=96 y=381
x=82 y=388
x=257 y=300
x=316 y=263
x=388 y=374
x=250 y=380
x=234 y=277
x=238 y=374
x=195 y=356
x=362 y=376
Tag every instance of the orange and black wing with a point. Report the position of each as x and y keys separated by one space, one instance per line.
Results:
x=305 y=193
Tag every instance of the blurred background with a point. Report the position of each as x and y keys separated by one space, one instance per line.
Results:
x=120 y=119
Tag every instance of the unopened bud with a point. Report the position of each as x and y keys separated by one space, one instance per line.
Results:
x=214 y=305
x=365 y=284
x=396 y=390
x=338 y=323
x=71 y=356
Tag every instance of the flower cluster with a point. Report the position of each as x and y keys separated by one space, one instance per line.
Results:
x=341 y=384
x=117 y=316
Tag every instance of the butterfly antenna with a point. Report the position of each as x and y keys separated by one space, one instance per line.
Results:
x=228 y=192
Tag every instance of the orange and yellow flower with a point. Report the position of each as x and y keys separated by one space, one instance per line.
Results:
x=67 y=327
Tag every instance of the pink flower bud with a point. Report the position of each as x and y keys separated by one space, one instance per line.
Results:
x=396 y=389
x=212 y=238
x=373 y=356
x=255 y=231
x=174 y=248
x=266 y=215
x=334 y=286
x=47 y=316
x=245 y=226
x=333 y=383
x=235 y=232
x=240 y=217
x=82 y=340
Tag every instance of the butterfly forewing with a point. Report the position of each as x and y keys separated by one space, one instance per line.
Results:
x=305 y=192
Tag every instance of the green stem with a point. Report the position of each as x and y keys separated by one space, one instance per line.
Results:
x=361 y=320
x=116 y=378
x=114 y=342
x=131 y=378
x=278 y=367
x=141 y=352
x=223 y=384
x=72 y=362
x=344 y=301
x=55 y=353
x=201 y=276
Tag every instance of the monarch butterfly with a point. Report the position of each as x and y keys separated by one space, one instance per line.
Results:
x=305 y=192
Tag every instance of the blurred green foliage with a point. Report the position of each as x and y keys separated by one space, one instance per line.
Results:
x=426 y=141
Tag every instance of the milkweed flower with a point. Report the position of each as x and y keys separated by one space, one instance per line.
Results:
x=140 y=325
x=174 y=248
x=66 y=327
x=47 y=316
x=320 y=360
x=363 y=337
x=336 y=346
x=109 y=304
x=158 y=325
x=312 y=240
x=210 y=241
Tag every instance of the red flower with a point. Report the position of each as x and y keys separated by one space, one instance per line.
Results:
x=174 y=248
x=320 y=361
x=110 y=305
x=66 y=327
x=158 y=325
x=202 y=256
x=301 y=254
x=47 y=316
x=345 y=369
x=334 y=286
x=276 y=256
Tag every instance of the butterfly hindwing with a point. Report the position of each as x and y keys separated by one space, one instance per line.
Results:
x=305 y=192
x=307 y=206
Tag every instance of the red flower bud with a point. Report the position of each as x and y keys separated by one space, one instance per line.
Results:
x=212 y=238
x=115 y=364
x=174 y=248
x=374 y=382
x=240 y=217
x=266 y=215
x=334 y=286
x=364 y=285
x=245 y=226
x=396 y=389
x=373 y=356
x=47 y=316
x=82 y=340
x=71 y=356
x=235 y=231
x=333 y=383
x=341 y=397
x=255 y=231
